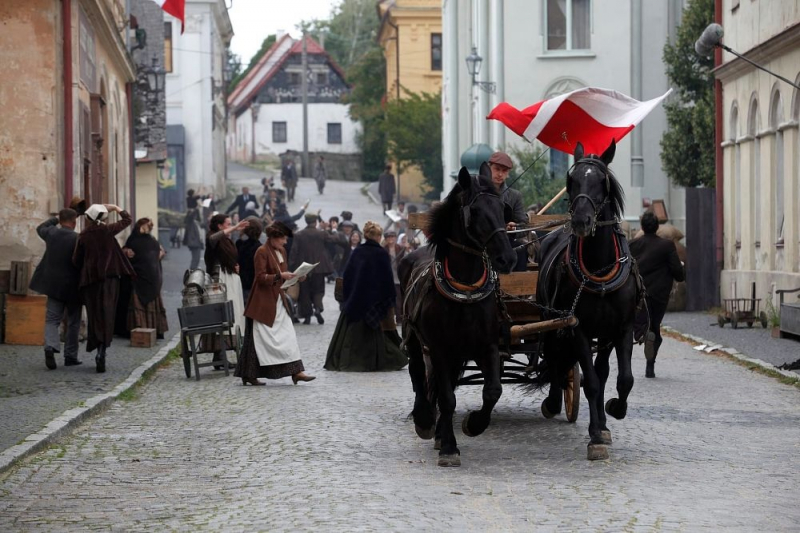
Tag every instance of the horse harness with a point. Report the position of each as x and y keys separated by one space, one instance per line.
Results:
x=596 y=208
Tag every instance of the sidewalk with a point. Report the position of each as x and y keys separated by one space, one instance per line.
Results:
x=755 y=342
x=37 y=404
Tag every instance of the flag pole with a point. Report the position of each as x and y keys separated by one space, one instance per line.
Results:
x=551 y=202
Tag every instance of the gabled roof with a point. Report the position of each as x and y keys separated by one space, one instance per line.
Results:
x=270 y=64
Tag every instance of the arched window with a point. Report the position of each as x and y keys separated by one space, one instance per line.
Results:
x=775 y=120
x=753 y=127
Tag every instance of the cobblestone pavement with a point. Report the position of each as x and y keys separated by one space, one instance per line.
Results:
x=708 y=445
x=755 y=342
x=31 y=396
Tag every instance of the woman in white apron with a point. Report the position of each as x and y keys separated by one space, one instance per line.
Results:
x=270 y=347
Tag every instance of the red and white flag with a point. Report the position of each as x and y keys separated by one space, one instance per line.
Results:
x=175 y=8
x=590 y=116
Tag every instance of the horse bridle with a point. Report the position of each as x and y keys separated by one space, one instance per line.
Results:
x=480 y=249
x=596 y=208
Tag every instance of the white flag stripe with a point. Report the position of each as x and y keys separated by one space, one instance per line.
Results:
x=160 y=2
x=607 y=107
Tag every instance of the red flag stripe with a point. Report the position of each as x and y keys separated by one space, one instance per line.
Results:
x=176 y=8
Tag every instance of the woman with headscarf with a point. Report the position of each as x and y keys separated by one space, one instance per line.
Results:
x=366 y=338
x=270 y=347
x=101 y=262
x=145 y=307
x=246 y=246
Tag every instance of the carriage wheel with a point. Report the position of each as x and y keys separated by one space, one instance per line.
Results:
x=762 y=317
x=572 y=393
x=721 y=321
x=735 y=320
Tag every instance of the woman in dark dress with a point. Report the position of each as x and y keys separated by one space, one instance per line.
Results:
x=366 y=338
x=145 y=306
x=246 y=246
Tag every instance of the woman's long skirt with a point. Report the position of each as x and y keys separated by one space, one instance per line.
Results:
x=270 y=352
x=153 y=315
x=356 y=347
x=100 y=300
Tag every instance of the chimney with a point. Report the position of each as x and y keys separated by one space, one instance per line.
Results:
x=321 y=39
x=279 y=34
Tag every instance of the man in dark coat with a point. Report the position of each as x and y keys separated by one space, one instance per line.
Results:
x=659 y=265
x=386 y=188
x=289 y=179
x=500 y=163
x=308 y=246
x=101 y=262
x=57 y=278
x=241 y=203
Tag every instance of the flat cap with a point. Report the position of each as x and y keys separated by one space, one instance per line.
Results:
x=311 y=218
x=501 y=158
x=390 y=233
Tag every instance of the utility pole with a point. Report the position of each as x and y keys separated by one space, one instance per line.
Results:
x=305 y=107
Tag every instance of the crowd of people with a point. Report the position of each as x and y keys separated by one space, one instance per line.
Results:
x=90 y=268
x=120 y=286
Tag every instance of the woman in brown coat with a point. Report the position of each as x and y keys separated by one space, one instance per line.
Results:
x=270 y=347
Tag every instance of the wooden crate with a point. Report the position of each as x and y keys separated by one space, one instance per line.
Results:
x=20 y=277
x=24 y=319
x=143 y=337
x=417 y=220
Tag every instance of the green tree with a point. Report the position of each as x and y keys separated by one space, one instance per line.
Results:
x=369 y=88
x=266 y=44
x=536 y=184
x=414 y=134
x=349 y=33
x=687 y=147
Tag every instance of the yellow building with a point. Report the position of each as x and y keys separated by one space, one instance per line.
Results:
x=411 y=37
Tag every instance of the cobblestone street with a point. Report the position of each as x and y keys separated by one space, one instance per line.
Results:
x=708 y=445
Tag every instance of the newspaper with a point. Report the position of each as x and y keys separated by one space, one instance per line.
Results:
x=393 y=215
x=301 y=271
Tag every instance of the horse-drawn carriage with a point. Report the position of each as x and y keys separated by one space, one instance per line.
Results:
x=520 y=345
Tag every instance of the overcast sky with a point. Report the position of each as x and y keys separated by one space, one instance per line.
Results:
x=253 y=20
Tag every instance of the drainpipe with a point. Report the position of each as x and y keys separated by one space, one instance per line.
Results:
x=637 y=157
x=718 y=168
x=131 y=153
x=66 y=30
x=396 y=40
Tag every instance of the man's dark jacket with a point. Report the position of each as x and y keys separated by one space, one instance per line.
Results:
x=98 y=254
x=658 y=264
x=309 y=245
x=241 y=203
x=56 y=276
x=247 y=249
x=386 y=187
x=513 y=199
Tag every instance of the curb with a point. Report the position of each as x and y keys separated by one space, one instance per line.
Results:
x=733 y=352
x=370 y=195
x=70 y=419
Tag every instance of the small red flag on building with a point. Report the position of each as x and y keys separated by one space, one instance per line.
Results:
x=174 y=8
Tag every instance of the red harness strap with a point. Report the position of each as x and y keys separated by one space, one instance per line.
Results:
x=462 y=287
x=599 y=279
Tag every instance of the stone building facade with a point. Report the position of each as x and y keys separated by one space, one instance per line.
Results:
x=64 y=114
x=761 y=148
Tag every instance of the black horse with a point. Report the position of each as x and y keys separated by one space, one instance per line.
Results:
x=450 y=310
x=589 y=271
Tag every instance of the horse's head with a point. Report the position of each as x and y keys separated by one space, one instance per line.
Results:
x=594 y=193
x=481 y=219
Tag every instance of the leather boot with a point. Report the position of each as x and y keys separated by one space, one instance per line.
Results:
x=649 y=371
x=100 y=359
x=50 y=358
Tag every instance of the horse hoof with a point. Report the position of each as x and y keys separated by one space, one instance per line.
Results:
x=437 y=444
x=605 y=436
x=546 y=412
x=597 y=452
x=465 y=426
x=449 y=460
x=616 y=408
x=424 y=434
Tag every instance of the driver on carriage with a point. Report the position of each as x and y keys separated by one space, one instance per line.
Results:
x=501 y=164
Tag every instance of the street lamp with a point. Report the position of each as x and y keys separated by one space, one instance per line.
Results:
x=712 y=38
x=155 y=77
x=474 y=68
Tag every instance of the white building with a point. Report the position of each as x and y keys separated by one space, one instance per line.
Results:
x=266 y=110
x=195 y=89
x=536 y=49
x=761 y=147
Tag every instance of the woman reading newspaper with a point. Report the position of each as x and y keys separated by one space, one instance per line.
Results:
x=270 y=347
